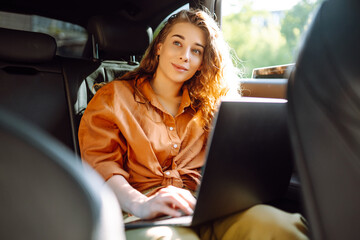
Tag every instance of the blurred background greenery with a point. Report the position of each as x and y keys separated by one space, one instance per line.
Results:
x=265 y=36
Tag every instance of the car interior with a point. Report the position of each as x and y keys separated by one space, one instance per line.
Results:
x=43 y=95
x=323 y=109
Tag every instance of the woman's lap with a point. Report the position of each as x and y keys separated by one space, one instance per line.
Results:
x=260 y=222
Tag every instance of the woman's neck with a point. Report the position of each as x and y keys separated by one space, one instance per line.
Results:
x=166 y=89
x=168 y=94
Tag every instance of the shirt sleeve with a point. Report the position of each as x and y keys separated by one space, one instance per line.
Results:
x=101 y=143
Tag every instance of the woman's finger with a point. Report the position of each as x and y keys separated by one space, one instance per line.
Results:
x=185 y=194
x=161 y=205
x=176 y=198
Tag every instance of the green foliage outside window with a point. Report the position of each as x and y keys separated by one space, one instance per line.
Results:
x=262 y=38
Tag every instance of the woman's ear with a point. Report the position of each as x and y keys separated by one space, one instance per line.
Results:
x=199 y=68
x=158 y=48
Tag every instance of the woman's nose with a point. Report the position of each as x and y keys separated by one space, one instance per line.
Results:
x=185 y=55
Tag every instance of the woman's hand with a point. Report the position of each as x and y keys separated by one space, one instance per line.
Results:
x=171 y=201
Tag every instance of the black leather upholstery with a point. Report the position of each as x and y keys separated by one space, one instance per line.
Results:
x=46 y=194
x=324 y=119
x=117 y=39
x=26 y=47
x=32 y=84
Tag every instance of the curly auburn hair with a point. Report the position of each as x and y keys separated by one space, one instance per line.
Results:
x=209 y=84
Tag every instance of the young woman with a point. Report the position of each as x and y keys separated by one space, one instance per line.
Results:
x=146 y=133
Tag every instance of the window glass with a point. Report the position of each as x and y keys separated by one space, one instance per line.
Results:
x=70 y=38
x=266 y=33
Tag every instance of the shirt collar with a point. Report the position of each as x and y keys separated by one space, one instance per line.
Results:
x=142 y=95
x=185 y=100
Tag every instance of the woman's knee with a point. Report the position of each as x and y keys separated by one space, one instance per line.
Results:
x=264 y=222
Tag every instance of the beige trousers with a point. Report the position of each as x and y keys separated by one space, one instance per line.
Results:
x=260 y=222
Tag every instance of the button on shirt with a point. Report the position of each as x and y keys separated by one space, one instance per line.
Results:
x=126 y=131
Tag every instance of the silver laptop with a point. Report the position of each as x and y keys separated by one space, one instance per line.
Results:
x=248 y=161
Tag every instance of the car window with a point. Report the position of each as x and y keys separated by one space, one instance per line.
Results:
x=266 y=33
x=70 y=38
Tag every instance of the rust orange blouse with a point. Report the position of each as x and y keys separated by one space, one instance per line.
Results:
x=129 y=133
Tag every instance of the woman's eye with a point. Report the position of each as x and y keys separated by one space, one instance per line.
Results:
x=197 y=51
x=177 y=43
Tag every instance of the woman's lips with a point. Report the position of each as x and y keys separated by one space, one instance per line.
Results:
x=179 y=67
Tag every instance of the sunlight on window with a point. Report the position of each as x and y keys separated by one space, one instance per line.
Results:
x=266 y=33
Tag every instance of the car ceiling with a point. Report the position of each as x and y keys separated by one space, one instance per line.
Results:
x=150 y=12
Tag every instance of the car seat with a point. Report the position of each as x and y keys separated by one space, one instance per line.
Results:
x=324 y=120
x=118 y=45
x=46 y=194
x=114 y=40
x=32 y=84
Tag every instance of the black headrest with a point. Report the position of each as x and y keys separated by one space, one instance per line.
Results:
x=26 y=47
x=117 y=38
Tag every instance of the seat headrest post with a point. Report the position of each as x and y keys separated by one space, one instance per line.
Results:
x=95 y=47
x=133 y=60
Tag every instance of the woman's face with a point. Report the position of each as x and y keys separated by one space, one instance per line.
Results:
x=181 y=53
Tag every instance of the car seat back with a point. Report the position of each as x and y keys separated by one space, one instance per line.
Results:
x=118 y=46
x=32 y=84
x=324 y=120
x=46 y=194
